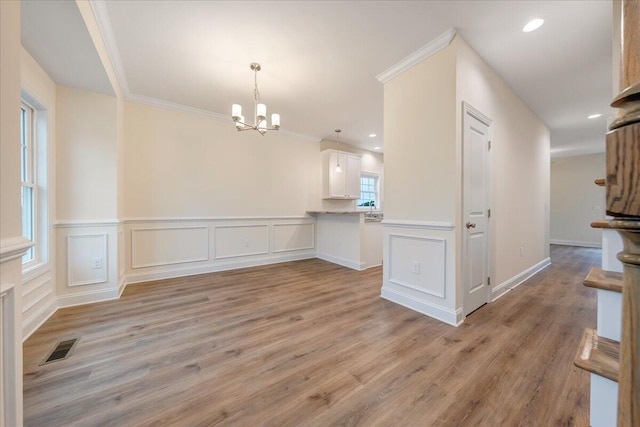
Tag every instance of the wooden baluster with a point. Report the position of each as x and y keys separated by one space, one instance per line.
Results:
x=623 y=202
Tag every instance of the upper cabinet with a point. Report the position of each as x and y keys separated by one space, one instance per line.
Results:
x=340 y=185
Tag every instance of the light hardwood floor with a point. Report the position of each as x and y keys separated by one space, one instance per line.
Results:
x=309 y=343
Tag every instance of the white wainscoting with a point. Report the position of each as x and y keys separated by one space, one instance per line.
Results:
x=215 y=244
x=38 y=303
x=156 y=246
x=290 y=237
x=78 y=246
x=424 y=254
x=419 y=268
x=82 y=251
x=232 y=241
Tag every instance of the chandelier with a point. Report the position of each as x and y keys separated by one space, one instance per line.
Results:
x=260 y=110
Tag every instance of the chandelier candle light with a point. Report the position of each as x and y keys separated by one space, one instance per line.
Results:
x=338 y=168
x=260 y=110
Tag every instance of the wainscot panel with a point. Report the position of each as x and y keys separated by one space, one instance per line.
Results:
x=151 y=247
x=86 y=259
x=293 y=237
x=241 y=240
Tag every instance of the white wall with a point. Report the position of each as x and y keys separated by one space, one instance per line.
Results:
x=519 y=170
x=423 y=189
x=576 y=201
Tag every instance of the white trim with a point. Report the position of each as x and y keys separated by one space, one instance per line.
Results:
x=134 y=265
x=435 y=45
x=100 y=13
x=221 y=266
x=37 y=319
x=213 y=218
x=518 y=279
x=69 y=223
x=474 y=112
x=14 y=247
x=88 y=297
x=575 y=243
x=33 y=303
x=451 y=317
x=428 y=225
x=355 y=265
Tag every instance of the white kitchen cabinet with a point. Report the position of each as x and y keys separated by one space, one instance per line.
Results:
x=340 y=185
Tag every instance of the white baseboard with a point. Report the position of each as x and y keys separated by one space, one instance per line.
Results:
x=355 y=265
x=451 y=317
x=219 y=266
x=30 y=325
x=518 y=279
x=88 y=297
x=576 y=243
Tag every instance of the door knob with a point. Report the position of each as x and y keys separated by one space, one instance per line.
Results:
x=471 y=225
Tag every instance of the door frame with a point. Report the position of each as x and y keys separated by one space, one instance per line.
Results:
x=478 y=115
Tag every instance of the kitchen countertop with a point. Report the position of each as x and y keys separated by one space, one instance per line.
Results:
x=335 y=212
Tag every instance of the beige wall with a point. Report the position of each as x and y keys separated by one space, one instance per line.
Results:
x=419 y=135
x=576 y=201
x=519 y=170
x=183 y=165
x=86 y=155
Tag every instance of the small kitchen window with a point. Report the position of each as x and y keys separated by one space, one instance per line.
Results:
x=369 y=198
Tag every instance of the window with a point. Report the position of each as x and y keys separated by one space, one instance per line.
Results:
x=368 y=192
x=27 y=174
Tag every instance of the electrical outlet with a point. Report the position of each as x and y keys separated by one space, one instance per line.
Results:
x=96 y=262
x=416 y=267
x=246 y=243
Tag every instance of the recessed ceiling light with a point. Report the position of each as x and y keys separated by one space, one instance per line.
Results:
x=372 y=135
x=376 y=148
x=533 y=25
x=594 y=116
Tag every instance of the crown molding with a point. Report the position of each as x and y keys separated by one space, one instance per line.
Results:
x=99 y=8
x=439 y=43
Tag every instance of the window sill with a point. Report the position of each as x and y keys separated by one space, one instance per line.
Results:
x=35 y=271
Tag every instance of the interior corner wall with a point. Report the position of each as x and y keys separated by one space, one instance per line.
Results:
x=576 y=201
x=86 y=197
x=520 y=172
x=86 y=155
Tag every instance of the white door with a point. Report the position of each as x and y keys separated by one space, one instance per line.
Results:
x=475 y=210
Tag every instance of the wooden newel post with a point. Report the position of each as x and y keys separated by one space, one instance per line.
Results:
x=623 y=203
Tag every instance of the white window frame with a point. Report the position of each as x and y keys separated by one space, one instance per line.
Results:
x=376 y=177
x=28 y=178
x=38 y=179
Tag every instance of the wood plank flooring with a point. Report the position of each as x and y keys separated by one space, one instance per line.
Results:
x=309 y=343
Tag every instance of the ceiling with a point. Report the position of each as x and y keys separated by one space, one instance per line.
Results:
x=320 y=58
